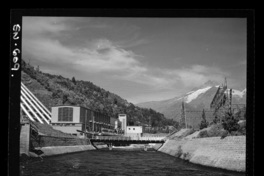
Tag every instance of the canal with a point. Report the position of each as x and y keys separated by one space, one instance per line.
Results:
x=117 y=163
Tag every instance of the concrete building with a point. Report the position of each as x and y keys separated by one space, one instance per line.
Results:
x=69 y=119
x=134 y=131
x=123 y=119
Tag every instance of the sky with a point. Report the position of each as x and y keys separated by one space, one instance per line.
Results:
x=139 y=59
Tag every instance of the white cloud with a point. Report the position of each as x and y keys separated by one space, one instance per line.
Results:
x=109 y=58
x=195 y=75
x=37 y=26
x=103 y=56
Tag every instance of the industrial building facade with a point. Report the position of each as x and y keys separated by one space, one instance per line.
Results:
x=134 y=131
x=69 y=119
x=123 y=119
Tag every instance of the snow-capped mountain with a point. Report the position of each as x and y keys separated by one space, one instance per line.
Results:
x=194 y=94
x=195 y=100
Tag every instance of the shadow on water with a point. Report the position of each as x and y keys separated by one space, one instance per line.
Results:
x=118 y=163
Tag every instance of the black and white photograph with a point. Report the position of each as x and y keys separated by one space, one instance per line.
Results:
x=129 y=95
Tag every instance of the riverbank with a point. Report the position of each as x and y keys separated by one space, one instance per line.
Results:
x=58 y=150
x=228 y=153
x=42 y=140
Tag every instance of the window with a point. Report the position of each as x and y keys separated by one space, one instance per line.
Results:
x=133 y=128
x=128 y=128
x=89 y=115
x=65 y=114
x=83 y=114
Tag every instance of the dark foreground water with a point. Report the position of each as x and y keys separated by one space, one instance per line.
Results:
x=117 y=163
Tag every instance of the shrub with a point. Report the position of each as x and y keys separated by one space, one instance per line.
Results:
x=203 y=134
x=186 y=156
x=73 y=80
x=216 y=120
x=230 y=123
x=204 y=123
x=215 y=130
x=179 y=151
x=224 y=133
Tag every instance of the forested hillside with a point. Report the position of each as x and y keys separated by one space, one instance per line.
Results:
x=53 y=90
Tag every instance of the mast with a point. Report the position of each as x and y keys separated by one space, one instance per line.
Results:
x=230 y=97
x=183 y=113
x=230 y=101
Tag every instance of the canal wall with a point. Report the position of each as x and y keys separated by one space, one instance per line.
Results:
x=58 y=150
x=33 y=143
x=51 y=145
x=228 y=153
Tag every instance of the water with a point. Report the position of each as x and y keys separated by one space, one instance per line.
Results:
x=117 y=163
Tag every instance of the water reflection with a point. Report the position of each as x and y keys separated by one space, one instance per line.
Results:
x=115 y=163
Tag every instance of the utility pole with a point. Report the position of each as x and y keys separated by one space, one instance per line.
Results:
x=92 y=121
x=225 y=84
x=230 y=101
x=85 y=116
x=183 y=114
x=149 y=124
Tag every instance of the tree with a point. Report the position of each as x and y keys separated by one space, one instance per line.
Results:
x=73 y=80
x=230 y=123
x=115 y=101
x=216 y=120
x=56 y=93
x=204 y=123
x=238 y=114
x=64 y=98
x=106 y=94
x=131 y=122
x=37 y=69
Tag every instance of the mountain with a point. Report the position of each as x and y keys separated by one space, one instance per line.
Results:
x=53 y=90
x=196 y=100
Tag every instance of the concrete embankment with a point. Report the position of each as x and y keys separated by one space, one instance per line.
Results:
x=58 y=150
x=228 y=153
x=42 y=145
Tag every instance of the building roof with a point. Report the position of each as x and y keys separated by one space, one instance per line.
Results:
x=71 y=106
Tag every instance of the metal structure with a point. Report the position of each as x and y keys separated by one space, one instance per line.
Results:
x=194 y=117
x=32 y=107
x=123 y=140
x=220 y=99
x=183 y=115
x=222 y=102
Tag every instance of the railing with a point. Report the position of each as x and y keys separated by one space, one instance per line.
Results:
x=129 y=138
x=152 y=138
x=111 y=137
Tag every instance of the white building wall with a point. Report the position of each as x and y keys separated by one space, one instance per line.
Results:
x=134 y=129
x=134 y=132
x=76 y=114
x=55 y=114
x=123 y=120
